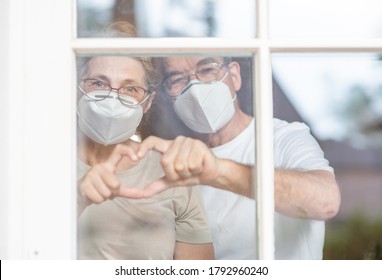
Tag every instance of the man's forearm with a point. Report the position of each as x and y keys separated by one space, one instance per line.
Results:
x=306 y=194
x=302 y=194
x=235 y=177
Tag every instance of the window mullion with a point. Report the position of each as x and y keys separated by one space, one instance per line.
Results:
x=264 y=138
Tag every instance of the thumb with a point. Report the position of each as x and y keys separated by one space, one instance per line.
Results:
x=131 y=192
x=151 y=189
x=156 y=187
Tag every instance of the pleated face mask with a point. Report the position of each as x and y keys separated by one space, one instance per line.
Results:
x=108 y=121
x=205 y=107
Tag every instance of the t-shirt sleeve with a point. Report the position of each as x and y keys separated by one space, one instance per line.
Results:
x=296 y=148
x=191 y=224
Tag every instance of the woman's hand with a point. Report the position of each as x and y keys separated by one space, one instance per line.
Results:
x=100 y=182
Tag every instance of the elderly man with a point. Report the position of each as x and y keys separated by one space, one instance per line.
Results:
x=203 y=92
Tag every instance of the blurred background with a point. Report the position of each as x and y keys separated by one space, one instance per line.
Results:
x=338 y=95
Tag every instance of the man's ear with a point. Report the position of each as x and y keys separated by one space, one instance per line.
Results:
x=149 y=102
x=234 y=69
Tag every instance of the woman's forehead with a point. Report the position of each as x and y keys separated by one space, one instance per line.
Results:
x=116 y=66
x=114 y=62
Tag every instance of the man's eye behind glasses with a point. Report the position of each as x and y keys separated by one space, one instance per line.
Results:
x=207 y=73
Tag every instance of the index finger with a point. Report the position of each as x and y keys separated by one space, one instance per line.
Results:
x=119 y=152
x=153 y=143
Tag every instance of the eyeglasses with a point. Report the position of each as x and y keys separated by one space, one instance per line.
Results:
x=206 y=73
x=99 y=90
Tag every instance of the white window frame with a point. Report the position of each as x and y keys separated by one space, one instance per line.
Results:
x=37 y=168
x=37 y=165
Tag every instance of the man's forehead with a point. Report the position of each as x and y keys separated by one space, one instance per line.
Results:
x=189 y=62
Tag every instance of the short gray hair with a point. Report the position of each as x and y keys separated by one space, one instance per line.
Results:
x=121 y=29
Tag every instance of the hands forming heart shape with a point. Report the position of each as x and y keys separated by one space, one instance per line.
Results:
x=185 y=162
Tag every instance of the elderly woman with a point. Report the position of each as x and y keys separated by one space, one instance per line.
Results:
x=115 y=96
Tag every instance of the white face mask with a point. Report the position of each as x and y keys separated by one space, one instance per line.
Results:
x=108 y=121
x=205 y=108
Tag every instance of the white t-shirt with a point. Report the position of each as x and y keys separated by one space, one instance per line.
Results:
x=232 y=217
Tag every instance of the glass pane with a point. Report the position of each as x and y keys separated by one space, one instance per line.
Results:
x=171 y=18
x=339 y=96
x=122 y=227
x=325 y=19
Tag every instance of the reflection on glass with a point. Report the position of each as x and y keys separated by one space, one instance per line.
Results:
x=340 y=97
x=339 y=94
x=171 y=18
x=325 y=19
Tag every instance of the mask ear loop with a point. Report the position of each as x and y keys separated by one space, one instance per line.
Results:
x=224 y=76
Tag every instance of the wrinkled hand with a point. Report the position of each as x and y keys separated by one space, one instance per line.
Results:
x=185 y=162
x=100 y=182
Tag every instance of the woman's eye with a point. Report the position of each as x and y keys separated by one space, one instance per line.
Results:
x=98 y=84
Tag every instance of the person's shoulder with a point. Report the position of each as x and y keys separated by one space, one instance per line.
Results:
x=282 y=125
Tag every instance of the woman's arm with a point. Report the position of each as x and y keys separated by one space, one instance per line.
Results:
x=188 y=251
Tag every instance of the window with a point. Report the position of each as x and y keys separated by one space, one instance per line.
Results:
x=38 y=114
x=244 y=47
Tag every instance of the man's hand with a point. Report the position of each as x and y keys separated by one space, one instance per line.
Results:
x=185 y=162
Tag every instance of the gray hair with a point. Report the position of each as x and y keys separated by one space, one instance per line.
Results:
x=120 y=29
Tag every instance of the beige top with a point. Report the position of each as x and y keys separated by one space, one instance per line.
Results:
x=124 y=228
